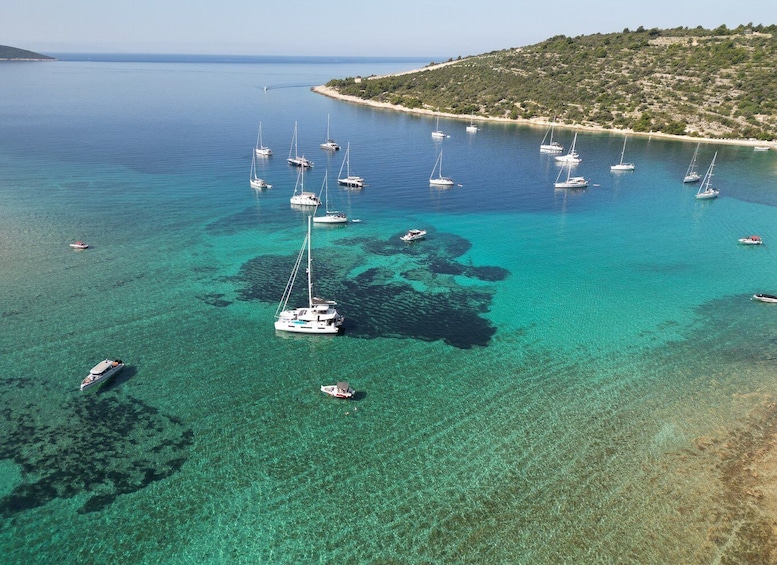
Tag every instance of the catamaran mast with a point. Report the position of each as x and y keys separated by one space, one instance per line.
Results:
x=310 y=277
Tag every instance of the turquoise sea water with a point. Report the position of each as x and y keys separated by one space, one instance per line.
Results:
x=551 y=376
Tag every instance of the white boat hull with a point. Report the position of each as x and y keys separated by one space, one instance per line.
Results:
x=623 y=167
x=707 y=195
x=768 y=298
x=331 y=219
x=259 y=184
x=337 y=392
x=572 y=183
x=413 y=235
x=307 y=321
x=352 y=182
x=101 y=372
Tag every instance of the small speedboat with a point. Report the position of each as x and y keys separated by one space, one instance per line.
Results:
x=414 y=235
x=103 y=370
x=340 y=390
x=770 y=298
x=79 y=245
x=751 y=240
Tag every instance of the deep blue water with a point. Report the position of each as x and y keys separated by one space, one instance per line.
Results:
x=531 y=377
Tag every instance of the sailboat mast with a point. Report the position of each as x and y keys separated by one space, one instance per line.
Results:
x=310 y=275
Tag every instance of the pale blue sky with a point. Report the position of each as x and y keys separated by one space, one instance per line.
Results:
x=428 y=28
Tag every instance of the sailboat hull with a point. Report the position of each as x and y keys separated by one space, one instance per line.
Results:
x=310 y=321
x=331 y=218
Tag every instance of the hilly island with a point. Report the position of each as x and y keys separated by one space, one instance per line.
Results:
x=696 y=82
x=15 y=54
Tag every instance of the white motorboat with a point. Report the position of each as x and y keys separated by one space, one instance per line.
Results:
x=301 y=197
x=706 y=191
x=294 y=157
x=692 y=175
x=260 y=149
x=570 y=182
x=103 y=370
x=331 y=216
x=761 y=148
x=79 y=245
x=751 y=240
x=571 y=157
x=329 y=143
x=413 y=235
x=769 y=298
x=319 y=316
x=623 y=166
x=551 y=146
x=439 y=180
x=349 y=180
x=340 y=390
x=254 y=180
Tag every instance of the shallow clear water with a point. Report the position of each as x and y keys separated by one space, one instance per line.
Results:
x=533 y=378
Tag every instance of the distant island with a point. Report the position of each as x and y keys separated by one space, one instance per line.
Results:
x=15 y=54
x=706 y=84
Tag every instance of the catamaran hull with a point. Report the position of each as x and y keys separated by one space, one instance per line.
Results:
x=302 y=327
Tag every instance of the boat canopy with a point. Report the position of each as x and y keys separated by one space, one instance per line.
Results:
x=102 y=366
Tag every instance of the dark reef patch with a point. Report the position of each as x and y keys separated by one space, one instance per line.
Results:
x=94 y=444
x=379 y=302
x=214 y=299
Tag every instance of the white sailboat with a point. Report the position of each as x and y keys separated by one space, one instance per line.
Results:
x=623 y=166
x=570 y=182
x=706 y=191
x=261 y=150
x=255 y=181
x=438 y=133
x=300 y=196
x=472 y=128
x=692 y=175
x=331 y=216
x=329 y=143
x=319 y=316
x=571 y=157
x=349 y=180
x=439 y=180
x=551 y=146
x=294 y=157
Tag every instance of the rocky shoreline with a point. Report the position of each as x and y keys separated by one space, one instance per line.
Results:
x=332 y=93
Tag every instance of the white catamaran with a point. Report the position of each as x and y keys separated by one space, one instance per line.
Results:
x=349 y=180
x=294 y=157
x=302 y=197
x=319 y=316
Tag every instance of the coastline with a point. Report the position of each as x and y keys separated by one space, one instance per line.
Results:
x=331 y=93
